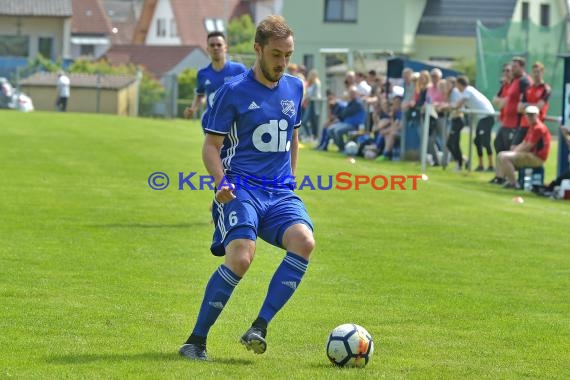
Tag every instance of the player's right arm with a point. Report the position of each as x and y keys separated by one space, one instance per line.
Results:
x=196 y=105
x=213 y=163
x=199 y=98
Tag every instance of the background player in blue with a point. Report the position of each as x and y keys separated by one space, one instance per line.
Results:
x=256 y=115
x=211 y=77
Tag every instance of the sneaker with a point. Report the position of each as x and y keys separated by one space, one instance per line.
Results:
x=254 y=339
x=490 y=169
x=508 y=185
x=497 y=181
x=193 y=351
x=479 y=169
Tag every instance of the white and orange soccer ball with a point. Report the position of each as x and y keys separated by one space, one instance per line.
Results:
x=350 y=345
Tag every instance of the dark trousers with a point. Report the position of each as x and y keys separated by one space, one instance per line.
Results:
x=454 y=138
x=504 y=139
x=483 y=135
x=520 y=134
x=61 y=103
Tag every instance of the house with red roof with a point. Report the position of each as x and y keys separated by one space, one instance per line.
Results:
x=158 y=60
x=185 y=22
x=90 y=29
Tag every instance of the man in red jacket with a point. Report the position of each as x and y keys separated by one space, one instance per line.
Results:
x=532 y=152
x=536 y=94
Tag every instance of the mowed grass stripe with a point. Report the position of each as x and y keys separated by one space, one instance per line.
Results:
x=102 y=277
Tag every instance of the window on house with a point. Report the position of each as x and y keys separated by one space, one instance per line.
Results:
x=341 y=10
x=87 y=50
x=14 y=46
x=214 y=25
x=544 y=14
x=45 y=47
x=525 y=11
x=173 y=29
x=160 y=27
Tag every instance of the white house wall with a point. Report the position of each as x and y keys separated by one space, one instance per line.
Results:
x=163 y=10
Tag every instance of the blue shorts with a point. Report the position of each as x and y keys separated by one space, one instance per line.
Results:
x=260 y=212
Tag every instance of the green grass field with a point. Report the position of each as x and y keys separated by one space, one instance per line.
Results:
x=102 y=277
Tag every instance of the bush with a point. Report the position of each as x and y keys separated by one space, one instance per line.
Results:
x=187 y=84
x=468 y=67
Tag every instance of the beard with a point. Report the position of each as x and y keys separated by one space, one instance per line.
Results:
x=272 y=75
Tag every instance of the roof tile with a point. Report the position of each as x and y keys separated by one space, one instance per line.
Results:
x=54 y=8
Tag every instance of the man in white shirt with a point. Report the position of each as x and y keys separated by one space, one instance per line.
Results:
x=63 y=91
x=475 y=100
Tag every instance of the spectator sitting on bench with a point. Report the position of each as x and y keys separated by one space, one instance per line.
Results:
x=381 y=119
x=392 y=133
x=335 y=107
x=351 y=117
x=532 y=152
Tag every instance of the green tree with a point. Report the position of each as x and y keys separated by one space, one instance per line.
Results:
x=241 y=32
x=468 y=67
x=187 y=83
x=43 y=64
x=150 y=92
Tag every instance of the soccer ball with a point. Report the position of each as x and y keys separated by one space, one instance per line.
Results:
x=350 y=345
x=351 y=148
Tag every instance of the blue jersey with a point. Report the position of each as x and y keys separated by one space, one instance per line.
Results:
x=258 y=123
x=209 y=80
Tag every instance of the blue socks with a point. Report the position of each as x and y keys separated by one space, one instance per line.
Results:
x=283 y=284
x=217 y=294
x=285 y=281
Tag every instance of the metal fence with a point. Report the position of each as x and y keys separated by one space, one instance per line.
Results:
x=425 y=134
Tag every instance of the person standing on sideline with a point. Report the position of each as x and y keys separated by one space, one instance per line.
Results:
x=255 y=118
x=475 y=100
x=211 y=77
x=511 y=118
x=63 y=91
x=536 y=95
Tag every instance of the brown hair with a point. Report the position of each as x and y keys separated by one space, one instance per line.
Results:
x=520 y=60
x=538 y=65
x=272 y=27
x=463 y=80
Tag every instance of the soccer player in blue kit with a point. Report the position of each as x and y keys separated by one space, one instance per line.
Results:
x=213 y=76
x=255 y=118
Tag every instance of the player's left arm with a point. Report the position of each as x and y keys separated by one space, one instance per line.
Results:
x=294 y=151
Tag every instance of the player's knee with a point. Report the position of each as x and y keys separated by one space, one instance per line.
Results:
x=502 y=156
x=308 y=244
x=302 y=244
x=239 y=255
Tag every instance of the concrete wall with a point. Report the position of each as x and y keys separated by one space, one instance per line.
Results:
x=438 y=47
